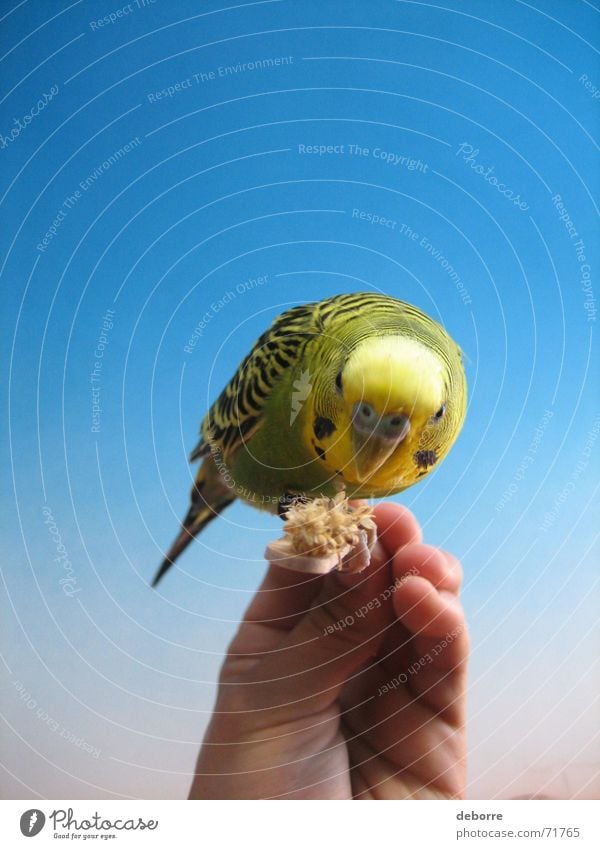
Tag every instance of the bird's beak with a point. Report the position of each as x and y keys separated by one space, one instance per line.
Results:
x=373 y=444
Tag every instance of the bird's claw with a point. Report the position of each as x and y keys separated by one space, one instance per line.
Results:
x=287 y=500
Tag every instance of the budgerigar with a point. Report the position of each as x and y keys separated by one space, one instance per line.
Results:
x=360 y=392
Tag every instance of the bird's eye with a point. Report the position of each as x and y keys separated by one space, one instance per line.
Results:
x=338 y=381
x=439 y=414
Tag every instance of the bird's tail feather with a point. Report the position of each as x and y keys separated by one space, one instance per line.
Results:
x=208 y=501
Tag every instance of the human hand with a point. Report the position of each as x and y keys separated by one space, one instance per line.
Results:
x=346 y=685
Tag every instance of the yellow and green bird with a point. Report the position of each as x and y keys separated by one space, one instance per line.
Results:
x=360 y=392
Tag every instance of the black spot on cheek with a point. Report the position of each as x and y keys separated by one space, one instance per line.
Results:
x=319 y=450
x=424 y=459
x=323 y=427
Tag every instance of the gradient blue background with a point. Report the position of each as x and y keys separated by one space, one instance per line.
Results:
x=216 y=192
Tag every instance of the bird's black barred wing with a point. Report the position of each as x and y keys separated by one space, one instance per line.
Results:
x=238 y=411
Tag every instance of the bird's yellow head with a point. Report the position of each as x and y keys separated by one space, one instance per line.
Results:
x=400 y=405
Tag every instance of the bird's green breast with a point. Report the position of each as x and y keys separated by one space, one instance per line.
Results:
x=275 y=461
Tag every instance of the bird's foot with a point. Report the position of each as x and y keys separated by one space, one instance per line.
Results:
x=287 y=500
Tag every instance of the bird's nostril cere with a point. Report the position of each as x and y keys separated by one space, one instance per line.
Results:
x=397 y=420
x=366 y=411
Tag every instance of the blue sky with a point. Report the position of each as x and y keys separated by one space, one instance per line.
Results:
x=188 y=163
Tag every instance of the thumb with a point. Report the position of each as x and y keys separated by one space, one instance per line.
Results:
x=339 y=633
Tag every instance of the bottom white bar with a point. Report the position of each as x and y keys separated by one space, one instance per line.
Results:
x=195 y=824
